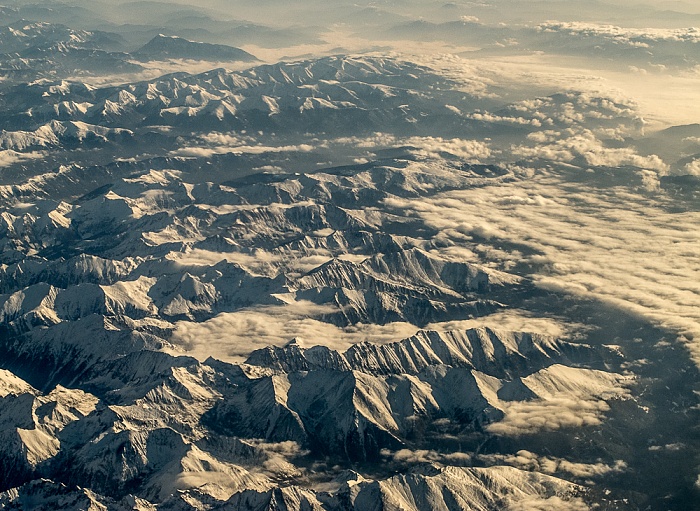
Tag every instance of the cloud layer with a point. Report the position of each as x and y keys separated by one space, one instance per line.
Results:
x=616 y=244
x=232 y=336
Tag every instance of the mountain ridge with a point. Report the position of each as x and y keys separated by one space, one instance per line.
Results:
x=173 y=47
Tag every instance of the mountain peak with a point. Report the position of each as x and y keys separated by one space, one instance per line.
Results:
x=164 y=47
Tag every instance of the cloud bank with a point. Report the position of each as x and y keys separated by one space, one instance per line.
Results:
x=616 y=244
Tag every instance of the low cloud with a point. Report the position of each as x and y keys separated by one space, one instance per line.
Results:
x=554 y=503
x=412 y=457
x=517 y=320
x=633 y=37
x=567 y=397
x=692 y=168
x=527 y=417
x=586 y=145
x=10 y=157
x=471 y=150
x=233 y=336
x=489 y=117
x=155 y=69
x=668 y=447
x=605 y=157
x=208 y=152
x=259 y=262
x=584 y=470
x=526 y=460
x=429 y=147
x=279 y=458
x=237 y=143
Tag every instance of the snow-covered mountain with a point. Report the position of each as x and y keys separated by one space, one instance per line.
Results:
x=63 y=135
x=117 y=274
x=483 y=349
x=152 y=424
x=254 y=98
x=41 y=50
x=23 y=35
x=443 y=489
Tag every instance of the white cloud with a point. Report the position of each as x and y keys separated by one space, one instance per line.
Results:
x=545 y=136
x=430 y=147
x=633 y=37
x=669 y=447
x=258 y=262
x=279 y=458
x=156 y=69
x=590 y=469
x=207 y=152
x=527 y=417
x=412 y=457
x=606 y=157
x=516 y=320
x=10 y=157
x=662 y=99
x=237 y=143
x=692 y=168
x=585 y=144
x=222 y=143
x=232 y=336
x=489 y=117
x=554 y=503
x=526 y=460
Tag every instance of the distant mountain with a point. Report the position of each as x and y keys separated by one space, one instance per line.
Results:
x=341 y=96
x=38 y=50
x=22 y=35
x=171 y=47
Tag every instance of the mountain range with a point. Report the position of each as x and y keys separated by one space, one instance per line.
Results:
x=343 y=281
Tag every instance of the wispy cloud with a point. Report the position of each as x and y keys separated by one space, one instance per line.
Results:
x=633 y=37
x=10 y=157
x=412 y=457
x=527 y=417
x=207 y=152
x=586 y=145
x=549 y=504
x=526 y=460
x=232 y=336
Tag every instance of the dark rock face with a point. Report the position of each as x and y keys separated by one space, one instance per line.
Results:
x=163 y=47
